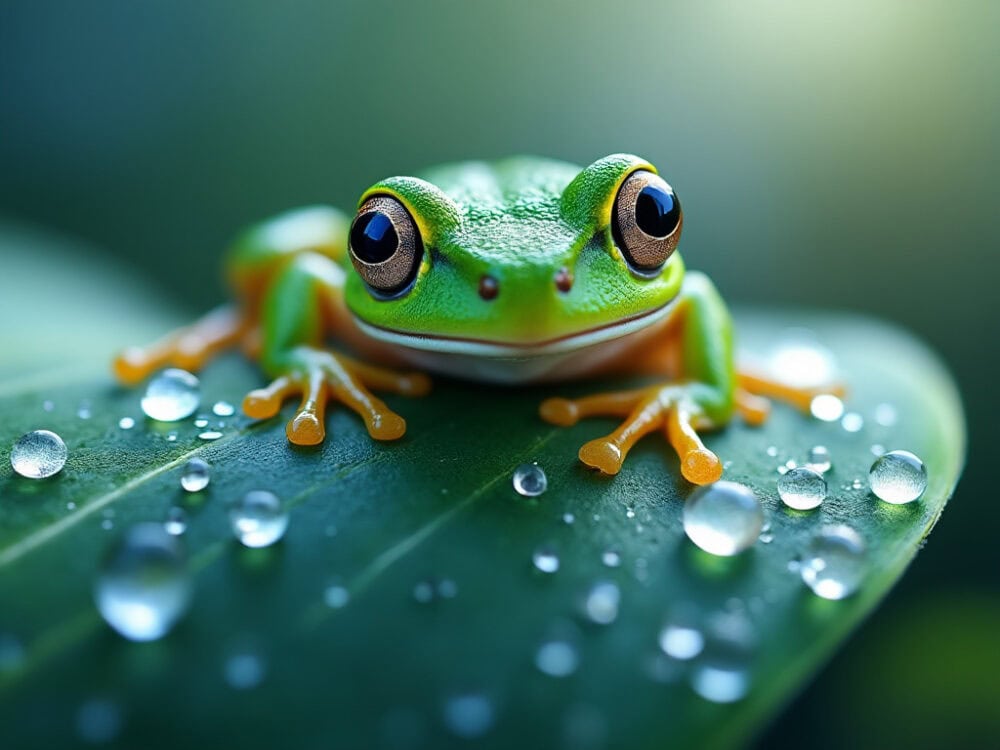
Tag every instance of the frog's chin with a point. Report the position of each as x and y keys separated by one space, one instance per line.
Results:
x=438 y=352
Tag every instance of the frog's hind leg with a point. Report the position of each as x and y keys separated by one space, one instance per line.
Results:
x=754 y=390
x=188 y=348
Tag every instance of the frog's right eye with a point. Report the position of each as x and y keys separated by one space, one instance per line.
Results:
x=385 y=245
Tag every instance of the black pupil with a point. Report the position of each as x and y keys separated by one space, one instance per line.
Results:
x=657 y=211
x=373 y=237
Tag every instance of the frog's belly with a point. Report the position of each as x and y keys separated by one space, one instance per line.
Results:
x=566 y=359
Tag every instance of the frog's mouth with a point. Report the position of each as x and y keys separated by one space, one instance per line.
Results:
x=516 y=350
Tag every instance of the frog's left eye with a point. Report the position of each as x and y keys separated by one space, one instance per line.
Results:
x=385 y=245
x=646 y=222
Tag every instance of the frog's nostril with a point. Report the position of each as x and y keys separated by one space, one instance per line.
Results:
x=489 y=288
x=564 y=279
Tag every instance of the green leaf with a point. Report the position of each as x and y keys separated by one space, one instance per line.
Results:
x=381 y=519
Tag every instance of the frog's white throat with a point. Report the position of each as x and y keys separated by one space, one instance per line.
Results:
x=566 y=357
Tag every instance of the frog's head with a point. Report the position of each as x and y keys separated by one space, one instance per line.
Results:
x=518 y=256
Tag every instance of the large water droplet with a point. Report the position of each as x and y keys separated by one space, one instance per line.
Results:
x=469 y=714
x=529 y=480
x=258 y=519
x=801 y=361
x=601 y=603
x=834 y=565
x=545 y=559
x=196 y=475
x=171 y=396
x=898 y=477
x=38 y=454
x=144 y=587
x=724 y=518
x=721 y=673
x=819 y=459
x=802 y=488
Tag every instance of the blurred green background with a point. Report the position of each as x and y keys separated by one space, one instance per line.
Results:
x=841 y=156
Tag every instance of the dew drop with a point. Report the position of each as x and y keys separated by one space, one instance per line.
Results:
x=834 y=565
x=819 y=459
x=209 y=435
x=877 y=449
x=11 y=653
x=201 y=422
x=772 y=451
x=48 y=405
x=568 y=518
x=244 y=669
x=469 y=715
x=630 y=513
x=611 y=558
x=126 y=423
x=171 y=437
x=802 y=489
x=827 y=407
x=196 y=475
x=680 y=638
x=176 y=523
x=38 y=454
x=423 y=592
x=83 y=411
x=336 y=596
x=601 y=603
x=171 y=396
x=557 y=658
x=223 y=409
x=99 y=721
x=721 y=672
x=723 y=518
x=143 y=587
x=898 y=477
x=258 y=519
x=852 y=422
x=530 y=480
x=545 y=559
x=885 y=415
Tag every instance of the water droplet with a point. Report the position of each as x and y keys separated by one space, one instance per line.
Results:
x=107 y=524
x=99 y=721
x=898 y=477
x=171 y=437
x=721 y=673
x=680 y=638
x=258 y=519
x=245 y=669
x=827 y=407
x=196 y=475
x=11 y=653
x=469 y=715
x=48 y=405
x=126 y=423
x=171 y=396
x=545 y=559
x=877 y=449
x=802 y=489
x=530 y=480
x=144 y=586
x=852 y=422
x=201 y=422
x=447 y=588
x=857 y=484
x=611 y=558
x=423 y=592
x=819 y=459
x=772 y=451
x=83 y=411
x=801 y=361
x=38 y=454
x=885 y=415
x=766 y=538
x=568 y=518
x=630 y=513
x=176 y=523
x=209 y=435
x=336 y=596
x=724 y=518
x=557 y=658
x=223 y=409
x=834 y=565
x=601 y=604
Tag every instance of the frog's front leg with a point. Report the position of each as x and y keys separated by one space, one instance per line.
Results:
x=298 y=310
x=702 y=397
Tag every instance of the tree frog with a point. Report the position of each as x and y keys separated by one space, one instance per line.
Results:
x=515 y=271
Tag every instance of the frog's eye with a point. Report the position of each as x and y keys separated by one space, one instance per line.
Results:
x=646 y=222
x=385 y=245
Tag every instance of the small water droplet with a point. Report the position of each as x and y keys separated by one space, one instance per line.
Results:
x=336 y=596
x=557 y=658
x=144 y=585
x=99 y=721
x=772 y=451
x=447 y=588
x=857 y=484
x=38 y=454
x=827 y=407
x=834 y=565
x=819 y=459
x=630 y=513
x=201 y=422
x=680 y=638
x=223 y=409
x=171 y=437
x=529 y=480
x=83 y=410
x=611 y=558
x=48 y=405
x=568 y=518
x=126 y=423
x=723 y=518
x=244 y=669
x=469 y=715
x=545 y=559
x=258 y=519
x=898 y=477
x=176 y=523
x=209 y=435
x=721 y=672
x=802 y=489
x=766 y=538
x=601 y=603
x=852 y=422
x=885 y=415
x=171 y=396
x=11 y=653
x=877 y=449
x=107 y=524
x=196 y=475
